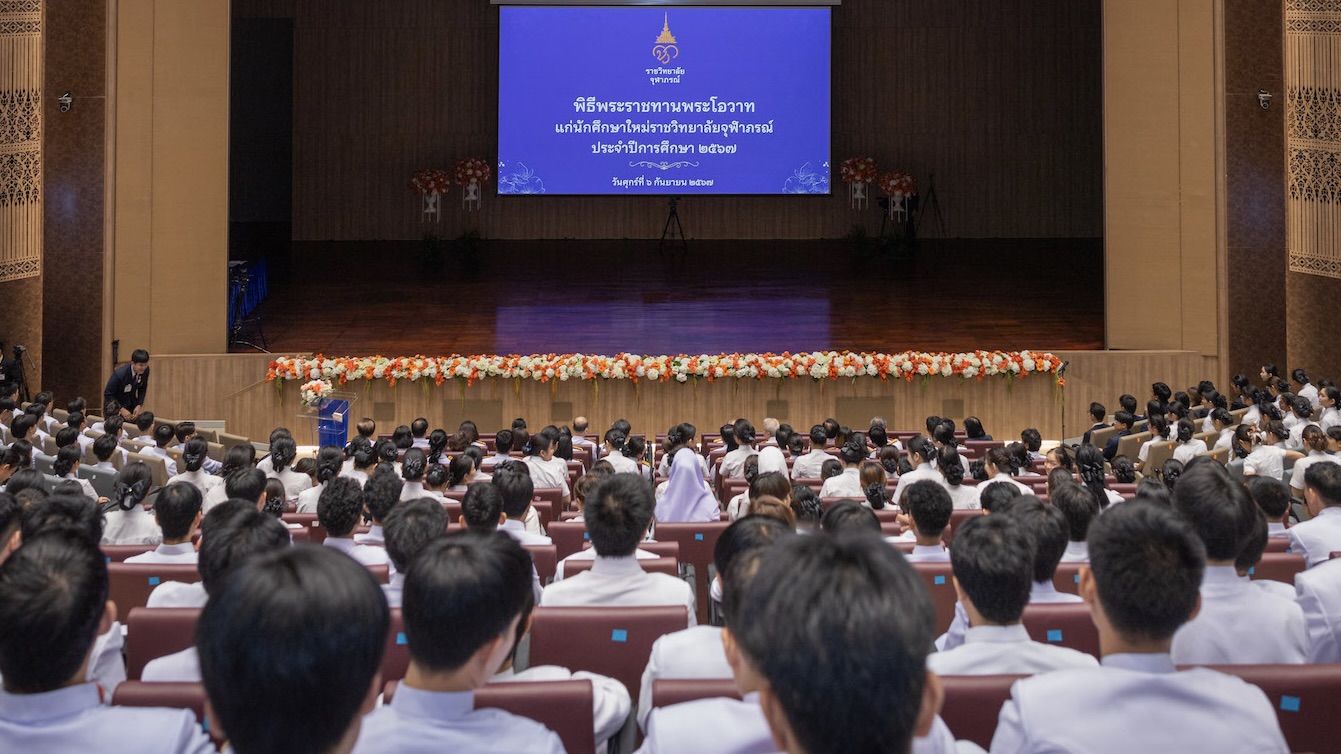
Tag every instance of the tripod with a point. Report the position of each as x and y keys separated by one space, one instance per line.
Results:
x=673 y=231
x=239 y=320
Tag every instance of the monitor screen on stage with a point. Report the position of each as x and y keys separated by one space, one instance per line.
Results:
x=663 y=100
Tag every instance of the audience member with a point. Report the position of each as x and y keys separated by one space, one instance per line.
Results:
x=687 y=497
x=1080 y=509
x=410 y=527
x=128 y=521
x=381 y=495
x=338 y=511
x=330 y=463
x=515 y=485
x=1273 y=498
x=927 y=508
x=1320 y=536
x=177 y=513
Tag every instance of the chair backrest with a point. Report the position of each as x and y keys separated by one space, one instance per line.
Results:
x=157 y=467
x=1066 y=624
x=1159 y=453
x=316 y=533
x=1219 y=454
x=568 y=536
x=1067 y=577
x=210 y=435
x=118 y=553
x=44 y=463
x=668 y=566
x=215 y=451
x=1100 y=437
x=1304 y=697
x=973 y=704
x=939 y=580
x=564 y=707
x=229 y=440
x=1130 y=446
x=396 y=658
x=154 y=632
x=662 y=549
x=175 y=695
x=129 y=584
x=1278 y=566
x=551 y=495
x=612 y=641
x=957 y=519
x=668 y=691
x=104 y=482
x=546 y=561
x=380 y=571
x=1279 y=544
x=696 y=545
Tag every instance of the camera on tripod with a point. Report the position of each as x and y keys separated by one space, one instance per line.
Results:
x=19 y=351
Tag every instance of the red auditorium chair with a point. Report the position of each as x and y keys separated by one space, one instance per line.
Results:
x=568 y=536
x=396 y=658
x=564 y=707
x=453 y=508
x=175 y=695
x=668 y=566
x=660 y=549
x=130 y=583
x=1278 y=566
x=696 y=545
x=155 y=632
x=119 y=553
x=903 y=547
x=1278 y=544
x=668 y=691
x=973 y=704
x=938 y=578
x=1304 y=697
x=316 y=532
x=612 y=641
x=381 y=572
x=1067 y=577
x=546 y=503
x=546 y=560
x=1066 y=624
x=957 y=517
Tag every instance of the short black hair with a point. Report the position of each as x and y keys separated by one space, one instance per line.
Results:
x=618 y=514
x=289 y=649
x=1271 y=495
x=930 y=506
x=340 y=506
x=516 y=487
x=1218 y=508
x=10 y=515
x=996 y=497
x=104 y=447
x=1047 y=527
x=503 y=441
x=380 y=494
x=66 y=436
x=21 y=424
x=1147 y=565
x=840 y=627
x=1077 y=505
x=410 y=527
x=1325 y=480
x=847 y=516
x=235 y=540
x=1098 y=411
x=461 y=592
x=993 y=559
x=164 y=434
x=139 y=356
x=747 y=533
x=175 y=508
x=245 y=483
x=481 y=507
x=1125 y=418
x=76 y=512
x=53 y=593
x=1032 y=439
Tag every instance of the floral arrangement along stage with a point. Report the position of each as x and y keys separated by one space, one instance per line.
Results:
x=470 y=170
x=819 y=365
x=858 y=170
x=898 y=185
x=431 y=181
x=311 y=393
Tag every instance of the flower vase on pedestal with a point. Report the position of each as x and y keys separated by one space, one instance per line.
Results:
x=897 y=209
x=856 y=194
x=432 y=207
x=470 y=195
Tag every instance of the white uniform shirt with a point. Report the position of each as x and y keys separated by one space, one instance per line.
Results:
x=1225 y=440
x=215 y=496
x=619 y=582
x=1310 y=391
x=1265 y=460
x=963 y=496
x=990 y=650
x=808 y=465
x=733 y=463
x=1188 y=450
x=692 y=653
x=1317 y=538
x=178 y=594
x=84 y=485
x=294 y=483
x=1137 y=703
x=357 y=475
x=73 y=719
x=429 y=722
x=308 y=498
x=168 y=461
x=846 y=484
x=610 y=701
x=924 y=472
x=183 y=666
x=133 y=527
x=374 y=536
x=621 y=463
x=395 y=591
x=590 y=554
x=551 y=473
x=928 y=554
x=1330 y=418
x=1076 y=552
x=1320 y=598
x=1301 y=466
x=365 y=554
x=198 y=479
x=519 y=531
x=719 y=725
x=1004 y=477
x=1240 y=624
x=179 y=553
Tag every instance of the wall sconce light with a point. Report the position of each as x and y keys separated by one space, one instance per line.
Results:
x=1264 y=99
x=66 y=102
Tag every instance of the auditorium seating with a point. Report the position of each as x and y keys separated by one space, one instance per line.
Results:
x=696 y=545
x=1278 y=566
x=545 y=558
x=396 y=658
x=938 y=578
x=315 y=531
x=568 y=536
x=155 y=632
x=176 y=695
x=1066 y=624
x=668 y=691
x=1067 y=577
x=668 y=566
x=1304 y=697
x=973 y=705
x=131 y=583
x=957 y=518
x=118 y=553
x=565 y=707
x=611 y=641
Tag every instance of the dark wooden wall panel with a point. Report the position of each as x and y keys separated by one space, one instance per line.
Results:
x=1001 y=99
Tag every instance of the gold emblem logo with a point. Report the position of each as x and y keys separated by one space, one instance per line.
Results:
x=665 y=49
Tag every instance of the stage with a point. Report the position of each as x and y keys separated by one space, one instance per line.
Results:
x=569 y=296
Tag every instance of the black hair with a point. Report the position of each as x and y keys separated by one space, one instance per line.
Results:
x=1271 y=495
x=1325 y=480
x=53 y=594
x=66 y=436
x=635 y=447
x=848 y=515
x=238 y=457
x=771 y=483
x=10 y=516
x=139 y=356
x=1018 y=454
x=176 y=508
x=1098 y=411
x=104 y=447
x=1299 y=376
x=744 y=432
x=401 y=437
x=1047 y=528
x=1218 y=508
x=386 y=451
x=503 y=441
x=973 y=428
x=1078 y=506
x=164 y=434
x=728 y=437
x=993 y=560
x=20 y=425
x=42 y=512
x=858 y=598
x=951 y=466
x=481 y=507
x=1147 y=565
x=409 y=527
x=234 y=539
x=184 y=430
x=745 y=534
x=854 y=450
x=1125 y=418
x=1032 y=439
x=806 y=505
x=66 y=458
x=458 y=469
x=289 y=649
x=996 y=497
x=194 y=453
x=132 y=485
x=929 y=505
x=1170 y=471
x=282 y=452
x=419 y=427
x=330 y=460
x=414 y=465
x=461 y=592
x=944 y=434
x=1255 y=544
x=542 y=441
x=796 y=445
x=245 y=484
x=878 y=437
x=340 y=506
x=819 y=437
x=1161 y=392
x=516 y=487
x=380 y=495
x=618 y=514
x=1090 y=467
x=923 y=448
x=615 y=439
x=831 y=467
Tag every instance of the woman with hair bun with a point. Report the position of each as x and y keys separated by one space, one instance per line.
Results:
x=66 y=467
x=848 y=483
x=1188 y=446
x=412 y=470
x=330 y=462
x=922 y=455
x=126 y=520
x=194 y=454
x=999 y=467
x=283 y=452
x=951 y=467
x=1316 y=445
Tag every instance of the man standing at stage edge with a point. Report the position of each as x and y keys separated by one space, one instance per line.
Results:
x=127 y=386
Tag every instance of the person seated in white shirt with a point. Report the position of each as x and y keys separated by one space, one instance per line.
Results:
x=1080 y=509
x=1315 y=443
x=104 y=448
x=128 y=522
x=1329 y=403
x=236 y=458
x=410 y=527
x=1142 y=585
x=808 y=465
x=1222 y=424
x=66 y=467
x=163 y=437
x=330 y=463
x=1317 y=538
x=381 y=495
x=548 y=471
x=993 y=564
x=1000 y=466
x=847 y=483
x=79 y=424
x=413 y=467
x=282 y=453
x=950 y=465
x=580 y=425
x=194 y=455
x=339 y=510
x=482 y=513
x=177 y=513
x=1189 y=447
x=457 y=475
x=698 y=652
x=613 y=452
x=1237 y=623
x=53 y=605
x=1269 y=455
x=1272 y=496
x=503 y=440
x=514 y=484
x=290 y=652
x=232 y=534
x=1319 y=595
x=618 y=516
x=359 y=459
x=926 y=514
x=463 y=580
x=733 y=463
x=997 y=496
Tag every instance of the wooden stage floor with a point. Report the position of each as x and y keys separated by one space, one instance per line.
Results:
x=723 y=296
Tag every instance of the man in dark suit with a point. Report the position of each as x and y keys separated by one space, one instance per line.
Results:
x=127 y=386
x=1097 y=412
x=1123 y=420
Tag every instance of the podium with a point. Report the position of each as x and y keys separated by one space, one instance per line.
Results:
x=330 y=418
